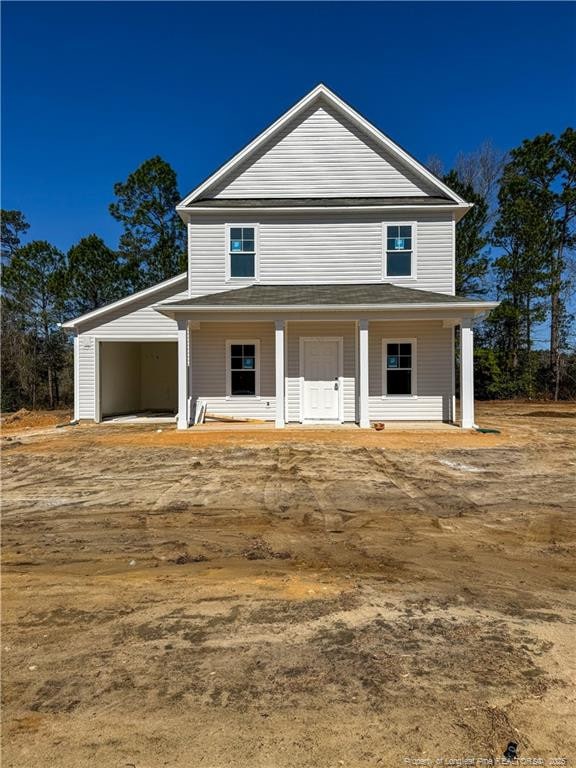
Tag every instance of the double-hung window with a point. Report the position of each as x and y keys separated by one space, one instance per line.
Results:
x=241 y=251
x=399 y=250
x=399 y=367
x=243 y=362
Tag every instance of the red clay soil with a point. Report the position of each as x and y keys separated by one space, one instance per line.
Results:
x=24 y=420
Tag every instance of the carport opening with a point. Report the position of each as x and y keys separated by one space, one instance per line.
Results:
x=138 y=379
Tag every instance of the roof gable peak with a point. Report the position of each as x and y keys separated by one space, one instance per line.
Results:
x=321 y=93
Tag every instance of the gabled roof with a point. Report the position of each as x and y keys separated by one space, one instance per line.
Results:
x=334 y=295
x=319 y=93
x=127 y=300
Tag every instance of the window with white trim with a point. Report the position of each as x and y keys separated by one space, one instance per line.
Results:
x=399 y=367
x=399 y=250
x=243 y=368
x=241 y=251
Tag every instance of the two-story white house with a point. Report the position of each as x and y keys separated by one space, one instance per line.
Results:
x=320 y=288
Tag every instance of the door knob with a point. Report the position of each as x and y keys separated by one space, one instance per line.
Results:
x=335 y=385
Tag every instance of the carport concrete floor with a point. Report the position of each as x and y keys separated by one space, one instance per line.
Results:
x=290 y=598
x=148 y=417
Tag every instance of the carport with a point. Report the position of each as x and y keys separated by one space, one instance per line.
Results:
x=137 y=380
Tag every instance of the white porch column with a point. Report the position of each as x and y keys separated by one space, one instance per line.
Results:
x=182 y=374
x=363 y=370
x=466 y=374
x=280 y=326
x=76 y=375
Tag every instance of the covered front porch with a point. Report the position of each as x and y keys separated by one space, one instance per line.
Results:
x=326 y=364
x=326 y=372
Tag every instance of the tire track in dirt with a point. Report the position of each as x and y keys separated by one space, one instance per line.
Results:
x=290 y=465
x=443 y=500
x=174 y=493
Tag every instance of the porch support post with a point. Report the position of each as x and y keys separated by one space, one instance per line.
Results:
x=182 y=374
x=466 y=374
x=76 y=375
x=280 y=327
x=363 y=374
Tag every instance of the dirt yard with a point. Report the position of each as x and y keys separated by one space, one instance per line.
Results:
x=293 y=599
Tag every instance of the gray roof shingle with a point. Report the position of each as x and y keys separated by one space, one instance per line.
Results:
x=316 y=202
x=318 y=295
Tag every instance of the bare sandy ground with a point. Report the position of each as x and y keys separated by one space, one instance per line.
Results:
x=298 y=599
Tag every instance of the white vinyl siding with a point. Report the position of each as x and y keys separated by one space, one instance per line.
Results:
x=433 y=361
x=142 y=322
x=86 y=377
x=321 y=154
x=134 y=322
x=434 y=264
x=322 y=248
x=208 y=350
x=296 y=329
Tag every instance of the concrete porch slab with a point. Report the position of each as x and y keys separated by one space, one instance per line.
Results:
x=391 y=426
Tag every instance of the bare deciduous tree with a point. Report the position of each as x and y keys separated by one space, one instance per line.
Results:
x=482 y=170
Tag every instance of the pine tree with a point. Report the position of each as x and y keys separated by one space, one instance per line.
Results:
x=13 y=225
x=94 y=276
x=153 y=241
x=526 y=231
x=471 y=240
x=565 y=167
x=32 y=297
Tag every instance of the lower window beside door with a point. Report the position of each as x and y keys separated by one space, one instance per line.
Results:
x=399 y=376
x=242 y=368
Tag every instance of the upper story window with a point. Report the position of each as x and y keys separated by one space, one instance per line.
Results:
x=242 y=251
x=399 y=253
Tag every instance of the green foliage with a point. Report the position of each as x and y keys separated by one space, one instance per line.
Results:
x=532 y=229
x=94 y=276
x=36 y=350
x=153 y=242
x=566 y=168
x=32 y=284
x=471 y=240
x=559 y=282
x=568 y=377
x=13 y=224
x=490 y=380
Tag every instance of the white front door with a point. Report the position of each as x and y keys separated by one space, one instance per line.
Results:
x=321 y=371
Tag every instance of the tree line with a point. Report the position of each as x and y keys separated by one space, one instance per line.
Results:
x=516 y=244
x=42 y=286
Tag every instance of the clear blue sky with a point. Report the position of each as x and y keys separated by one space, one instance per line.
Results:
x=90 y=90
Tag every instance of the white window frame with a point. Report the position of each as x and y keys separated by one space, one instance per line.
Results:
x=229 y=343
x=413 y=265
x=229 y=277
x=414 y=377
